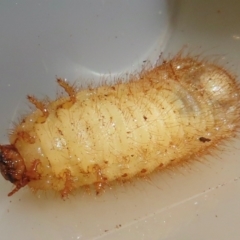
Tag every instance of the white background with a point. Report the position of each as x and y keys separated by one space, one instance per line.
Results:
x=81 y=41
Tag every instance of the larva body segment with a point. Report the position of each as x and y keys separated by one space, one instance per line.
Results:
x=168 y=114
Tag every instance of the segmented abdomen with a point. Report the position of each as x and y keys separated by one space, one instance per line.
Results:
x=169 y=114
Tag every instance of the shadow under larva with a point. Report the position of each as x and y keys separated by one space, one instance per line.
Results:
x=172 y=113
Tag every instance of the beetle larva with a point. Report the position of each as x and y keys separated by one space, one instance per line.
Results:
x=171 y=113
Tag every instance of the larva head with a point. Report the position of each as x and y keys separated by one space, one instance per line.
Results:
x=12 y=167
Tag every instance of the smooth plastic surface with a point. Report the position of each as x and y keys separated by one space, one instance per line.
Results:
x=81 y=41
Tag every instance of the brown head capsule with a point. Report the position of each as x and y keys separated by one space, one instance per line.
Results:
x=12 y=167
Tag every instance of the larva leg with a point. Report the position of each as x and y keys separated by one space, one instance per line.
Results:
x=39 y=105
x=68 y=187
x=32 y=172
x=70 y=90
x=26 y=137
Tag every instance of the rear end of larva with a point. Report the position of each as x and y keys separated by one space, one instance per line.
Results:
x=171 y=113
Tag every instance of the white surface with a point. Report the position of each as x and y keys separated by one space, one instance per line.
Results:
x=84 y=39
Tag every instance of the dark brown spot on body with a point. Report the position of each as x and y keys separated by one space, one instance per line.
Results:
x=203 y=139
x=143 y=170
x=124 y=175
